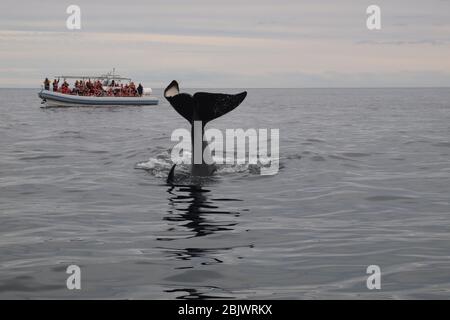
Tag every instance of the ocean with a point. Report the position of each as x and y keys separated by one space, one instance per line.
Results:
x=364 y=180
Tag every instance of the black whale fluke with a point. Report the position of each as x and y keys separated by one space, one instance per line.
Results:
x=204 y=107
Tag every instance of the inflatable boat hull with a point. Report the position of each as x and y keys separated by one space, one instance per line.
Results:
x=57 y=99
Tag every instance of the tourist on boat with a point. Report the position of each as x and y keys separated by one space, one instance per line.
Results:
x=140 y=90
x=65 y=88
x=46 y=84
x=133 y=91
x=76 y=88
x=55 y=85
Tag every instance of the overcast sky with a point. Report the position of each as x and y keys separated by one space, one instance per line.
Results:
x=229 y=43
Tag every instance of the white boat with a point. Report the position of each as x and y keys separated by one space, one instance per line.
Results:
x=58 y=99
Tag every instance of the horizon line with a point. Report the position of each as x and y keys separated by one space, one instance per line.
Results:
x=380 y=87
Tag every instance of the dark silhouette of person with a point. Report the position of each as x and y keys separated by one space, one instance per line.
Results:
x=140 y=89
x=55 y=85
x=46 y=84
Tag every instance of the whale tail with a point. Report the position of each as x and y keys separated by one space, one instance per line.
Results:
x=202 y=106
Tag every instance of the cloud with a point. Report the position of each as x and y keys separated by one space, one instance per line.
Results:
x=229 y=43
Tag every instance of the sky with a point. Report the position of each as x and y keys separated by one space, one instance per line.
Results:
x=229 y=44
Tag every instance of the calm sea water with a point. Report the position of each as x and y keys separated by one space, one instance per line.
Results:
x=364 y=180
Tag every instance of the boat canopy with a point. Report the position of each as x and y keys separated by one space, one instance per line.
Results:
x=108 y=77
x=102 y=77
